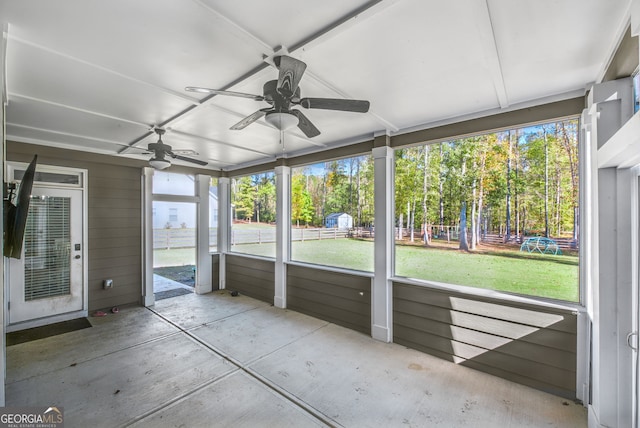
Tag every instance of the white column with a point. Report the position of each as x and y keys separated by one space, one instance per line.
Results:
x=224 y=225
x=203 y=258
x=3 y=284
x=147 y=237
x=283 y=228
x=381 y=295
x=608 y=291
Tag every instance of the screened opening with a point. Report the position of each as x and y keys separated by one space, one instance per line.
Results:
x=253 y=214
x=496 y=211
x=332 y=213
x=213 y=214
x=174 y=234
x=170 y=183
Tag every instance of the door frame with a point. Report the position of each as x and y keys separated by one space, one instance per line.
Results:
x=203 y=283
x=82 y=186
x=632 y=337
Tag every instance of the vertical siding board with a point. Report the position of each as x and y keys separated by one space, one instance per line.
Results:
x=523 y=343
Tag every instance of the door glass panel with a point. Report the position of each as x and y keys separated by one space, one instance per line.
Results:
x=47 y=245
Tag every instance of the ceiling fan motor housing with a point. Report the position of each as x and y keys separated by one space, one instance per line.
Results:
x=280 y=102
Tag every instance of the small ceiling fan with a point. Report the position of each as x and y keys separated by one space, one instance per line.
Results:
x=160 y=150
x=284 y=93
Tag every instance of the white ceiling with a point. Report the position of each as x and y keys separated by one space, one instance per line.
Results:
x=98 y=75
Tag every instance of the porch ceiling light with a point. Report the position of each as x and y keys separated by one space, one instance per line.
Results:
x=159 y=163
x=281 y=120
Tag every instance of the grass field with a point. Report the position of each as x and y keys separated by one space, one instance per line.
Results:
x=174 y=257
x=554 y=277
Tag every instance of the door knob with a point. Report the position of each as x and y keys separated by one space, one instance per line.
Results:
x=77 y=257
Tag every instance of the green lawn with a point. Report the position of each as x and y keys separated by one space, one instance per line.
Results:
x=174 y=257
x=554 y=277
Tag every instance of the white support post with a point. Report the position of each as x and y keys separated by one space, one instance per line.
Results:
x=381 y=295
x=608 y=256
x=4 y=285
x=283 y=228
x=148 y=298
x=203 y=258
x=224 y=226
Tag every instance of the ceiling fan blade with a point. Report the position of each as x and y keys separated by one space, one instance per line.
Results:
x=219 y=92
x=291 y=71
x=305 y=124
x=358 y=106
x=186 y=159
x=249 y=120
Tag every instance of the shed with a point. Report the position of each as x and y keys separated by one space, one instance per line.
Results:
x=339 y=221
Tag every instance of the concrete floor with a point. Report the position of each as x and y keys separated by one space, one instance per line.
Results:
x=217 y=360
x=160 y=284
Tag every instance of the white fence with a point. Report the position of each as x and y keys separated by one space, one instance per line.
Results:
x=264 y=235
x=186 y=238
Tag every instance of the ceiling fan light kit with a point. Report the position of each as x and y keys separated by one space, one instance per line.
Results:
x=282 y=121
x=161 y=149
x=159 y=163
x=284 y=93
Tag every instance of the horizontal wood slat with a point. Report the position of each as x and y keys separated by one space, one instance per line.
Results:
x=215 y=271
x=517 y=342
x=548 y=337
x=250 y=276
x=519 y=313
x=341 y=298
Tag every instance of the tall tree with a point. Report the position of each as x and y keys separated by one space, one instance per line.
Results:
x=426 y=228
x=546 y=182
x=507 y=230
x=301 y=203
x=568 y=139
x=464 y=245
x=441 y=191
x=243 y=198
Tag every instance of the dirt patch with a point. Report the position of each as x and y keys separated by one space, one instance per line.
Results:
x=182 y=274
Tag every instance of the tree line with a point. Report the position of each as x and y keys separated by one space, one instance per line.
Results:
x=515 y=182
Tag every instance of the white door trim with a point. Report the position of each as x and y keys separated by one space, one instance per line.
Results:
x=81 y=185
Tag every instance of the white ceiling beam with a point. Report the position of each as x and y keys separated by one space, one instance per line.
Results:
x=347 y=22
x=388 y=125
x=63 y=134
x=219 y=142
x=480 y=114
x=353 y=18
x=239 y=30
x=82 y=110
x=619 y=35
x=106 y=70
x=490 y=48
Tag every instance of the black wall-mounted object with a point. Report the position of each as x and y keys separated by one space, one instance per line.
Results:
x=15 y=215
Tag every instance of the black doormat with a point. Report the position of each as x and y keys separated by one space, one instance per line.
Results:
x=171 y=293
x=36 y=333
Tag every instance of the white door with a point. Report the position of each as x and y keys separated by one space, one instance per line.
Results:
x=47 y=281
